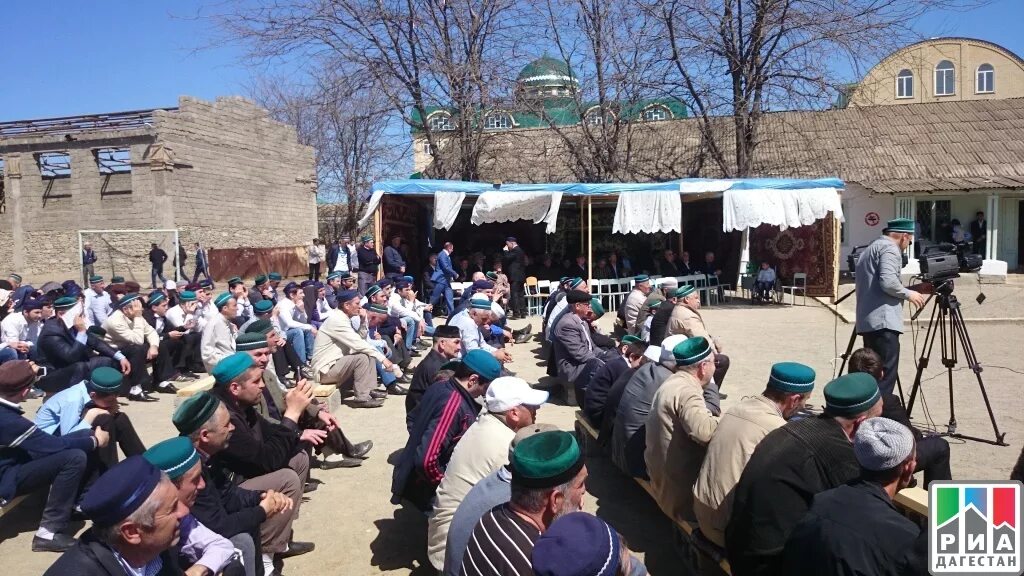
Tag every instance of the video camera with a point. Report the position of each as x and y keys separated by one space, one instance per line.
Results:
x=853 y=257
x=946 y=260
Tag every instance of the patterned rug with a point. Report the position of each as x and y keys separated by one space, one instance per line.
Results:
x=809 y=249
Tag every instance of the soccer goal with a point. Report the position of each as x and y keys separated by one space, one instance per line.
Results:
x=126 y=253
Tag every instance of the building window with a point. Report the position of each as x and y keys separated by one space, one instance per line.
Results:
x=498 y=121
x=594 y=117
x=440 y=122
x=945 y=79
x=113 y=160
x=54 y=165
x=986 y=79
x=905 y=84
x=655 y=113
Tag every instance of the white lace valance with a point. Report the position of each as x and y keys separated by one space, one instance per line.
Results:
x=648 y=212
x=446 y=208
x=743 y=209
x=510 y=206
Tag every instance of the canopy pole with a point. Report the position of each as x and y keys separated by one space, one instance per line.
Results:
x=744 y=254
x=590 y=240
x=378 y=230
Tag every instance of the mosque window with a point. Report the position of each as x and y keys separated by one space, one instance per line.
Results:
x=656 y=113
x=440 y=122
x=986 y=79
x=945 y=79
x=54 y=165
x=498 y=121
x=113 y=160
x=905 y=84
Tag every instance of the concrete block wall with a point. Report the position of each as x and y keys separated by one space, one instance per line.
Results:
x=246 y=182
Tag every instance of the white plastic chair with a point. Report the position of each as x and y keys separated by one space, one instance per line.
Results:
x=799 y=283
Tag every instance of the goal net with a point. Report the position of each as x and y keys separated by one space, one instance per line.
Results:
x=125 y=253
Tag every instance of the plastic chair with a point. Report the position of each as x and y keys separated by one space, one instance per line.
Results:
x=799 y=283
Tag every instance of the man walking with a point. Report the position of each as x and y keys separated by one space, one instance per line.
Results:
x=88 y=260
x=157 y=257
x=202 y=264
x=442 y=278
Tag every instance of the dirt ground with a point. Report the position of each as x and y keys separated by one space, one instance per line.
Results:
x=357 y=531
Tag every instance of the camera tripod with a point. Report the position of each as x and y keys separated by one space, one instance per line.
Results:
x=947 y=323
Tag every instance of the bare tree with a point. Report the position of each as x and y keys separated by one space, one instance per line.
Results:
x=421 y=55
x=741 y=58
x=347 y=122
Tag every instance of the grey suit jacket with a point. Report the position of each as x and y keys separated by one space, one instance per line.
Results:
x=880 y=294
x=573 y=346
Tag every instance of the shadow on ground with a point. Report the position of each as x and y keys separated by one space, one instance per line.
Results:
x=401 y=543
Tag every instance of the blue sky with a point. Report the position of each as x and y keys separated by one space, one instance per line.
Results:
x=67 y=57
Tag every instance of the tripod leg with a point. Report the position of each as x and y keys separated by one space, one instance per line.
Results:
x=922 y=362
x=960 y=329
x=849 y=350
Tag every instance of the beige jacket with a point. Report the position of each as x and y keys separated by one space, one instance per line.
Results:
x=679 y=428
x=121 y=331
x=481 y=451
x=739 y=432
x=336 y=339
x=218 y=340
x=687 y=321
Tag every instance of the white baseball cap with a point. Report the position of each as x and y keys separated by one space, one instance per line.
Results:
x=507 y=392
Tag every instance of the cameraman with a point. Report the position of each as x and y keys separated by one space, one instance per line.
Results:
x=880 y=296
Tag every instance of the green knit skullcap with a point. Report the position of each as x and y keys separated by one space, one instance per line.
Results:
x=262 y=327
x=333 y=275
x=905 y=225
x=117 y=279
x=263 y=306
x=630 y=339
x=546 y=460
x=231 y=367
x=373 y=289
x=104 y=380
x=249 y=341
x=187 y=296
x=174 y=456
x=155 y=298
x=222 y=299
x=195 y=412
x=653 y=302
x=691 y=351
x=126 y=300
x=851 y=394
x=261 y=279
x=575 y=283
x=492 y=275
x=792 y=377
x=366 y=238
x=274 y=276
x=596 y=307
x=234 y=280
x=95 y=278
x=683 y=291
x=641 y=278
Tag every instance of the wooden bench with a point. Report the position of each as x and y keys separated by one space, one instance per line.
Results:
x=327 y=394
x=586 y=434
x=913 y=501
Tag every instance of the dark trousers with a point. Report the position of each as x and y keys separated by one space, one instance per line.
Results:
x=63 y=472
x=136 y=355
x=886 y=343
x=517 y=297
x=314 y=271
x=721 y=368
x=59 y=379
x=762 y=290
x=933 y=459
x=191 y=359
x=443 y=289
x=122 y=434
x=168 y=358
x=200 y=269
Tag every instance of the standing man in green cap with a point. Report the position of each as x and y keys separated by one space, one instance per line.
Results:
x=789 y=467
x=739 y=432
x=679 y=427
x=880 y=296
x=369 y=263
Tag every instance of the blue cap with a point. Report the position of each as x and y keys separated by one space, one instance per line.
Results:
x=121 y=490
x=126 y=300
x=346 y=295
x=482 y=285
x=577 y=544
